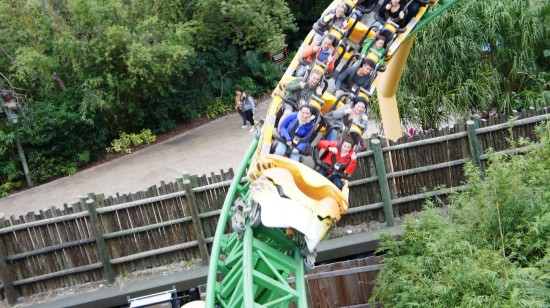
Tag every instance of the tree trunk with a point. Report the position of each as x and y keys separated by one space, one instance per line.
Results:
x=12 y=61
x=59 y=81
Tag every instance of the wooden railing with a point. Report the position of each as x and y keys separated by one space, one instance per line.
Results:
x=101 y=237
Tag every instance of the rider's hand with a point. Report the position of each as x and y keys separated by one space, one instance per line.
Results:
x=302 y=84
x=289 y=143
x=333 y=150
x=353 y=155
x=401 y=15
x=295 y=151
x=348 y=111
x=388 y=6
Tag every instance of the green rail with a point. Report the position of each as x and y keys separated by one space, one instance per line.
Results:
x=429 y=16
x=220 y=236
x=252 y=270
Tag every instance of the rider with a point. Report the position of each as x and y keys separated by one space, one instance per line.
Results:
x=341 y=158
x=323 y=53
x=300 y=124
x=356 y=75
x=354 y=112
x=391 y=10
x=378 y=47
x=335 y=18
x=301 y=90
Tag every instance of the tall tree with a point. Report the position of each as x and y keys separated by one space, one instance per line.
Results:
x=249 y=24
x=478 y=56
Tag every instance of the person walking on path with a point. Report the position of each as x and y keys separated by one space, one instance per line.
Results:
x=249 y=109
x=239 y=94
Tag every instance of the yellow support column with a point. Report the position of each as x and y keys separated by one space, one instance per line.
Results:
x=387 y=87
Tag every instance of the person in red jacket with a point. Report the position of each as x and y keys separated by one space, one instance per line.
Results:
x=338 y=158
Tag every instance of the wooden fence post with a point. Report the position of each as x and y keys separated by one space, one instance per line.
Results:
x=197 y=225
x=7 y=282
x=383 y=182
x=475 y=149
x=94 y=221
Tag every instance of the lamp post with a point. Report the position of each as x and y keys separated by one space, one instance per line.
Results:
x=12 y=119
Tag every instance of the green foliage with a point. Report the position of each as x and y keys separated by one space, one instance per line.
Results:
x=56 y=139
x=306 y=12
x=512 y=199
x=251 y=25
x=125 y=142
x=266 y=73
x=93 y=68
x=121 y=144
x=10 y=175
x=490 y=248
x=219 y=107
x=478 y=56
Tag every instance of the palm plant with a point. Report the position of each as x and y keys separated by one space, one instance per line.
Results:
x=479 y=56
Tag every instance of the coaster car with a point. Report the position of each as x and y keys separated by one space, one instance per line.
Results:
x=292 y=195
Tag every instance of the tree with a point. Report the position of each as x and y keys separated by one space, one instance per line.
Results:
x=249 y=24
x=476 y=57
x=115 y=66
x=489 y=248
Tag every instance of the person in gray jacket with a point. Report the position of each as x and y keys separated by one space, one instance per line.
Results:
x=249 y=109
x=351 y=113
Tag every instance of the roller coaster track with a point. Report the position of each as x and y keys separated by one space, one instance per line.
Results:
x=250 y=266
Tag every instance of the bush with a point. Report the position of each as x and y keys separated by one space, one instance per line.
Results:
x=488 y=249
x=124 y=143
x=57 y=138
x=10 y=174
x=219 y=107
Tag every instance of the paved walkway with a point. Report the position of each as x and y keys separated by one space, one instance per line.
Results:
x=212 y=147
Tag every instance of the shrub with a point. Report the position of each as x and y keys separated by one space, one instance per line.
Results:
x=57 y=138
x=488 y=249
x=125 y=141
x=217 y=108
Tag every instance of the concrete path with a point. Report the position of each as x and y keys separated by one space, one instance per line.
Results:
x=217 y=145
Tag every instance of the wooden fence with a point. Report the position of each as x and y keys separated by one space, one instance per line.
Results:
x=343 y=284
x=101 y=237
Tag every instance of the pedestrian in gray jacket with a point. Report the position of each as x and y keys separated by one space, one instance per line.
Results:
x=249 y=109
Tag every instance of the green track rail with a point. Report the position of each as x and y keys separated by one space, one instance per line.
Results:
x=443 y=5
x=251 y=269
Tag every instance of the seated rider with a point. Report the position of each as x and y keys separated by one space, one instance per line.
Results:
x=378 y=47
x=349 y=113
x=391 y=10
x=355 y=75
x=323 y=53
x=335 y=18
x=300 y=125
x=301 y=90
x=343 y=159
x=412 y=10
